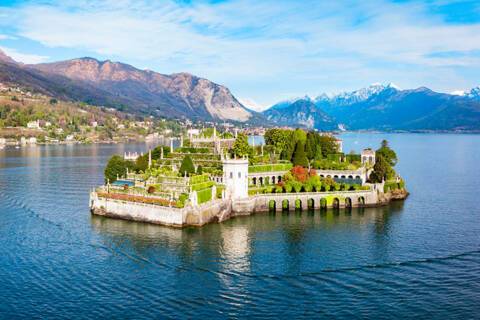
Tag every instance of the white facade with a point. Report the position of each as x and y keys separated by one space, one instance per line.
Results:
x=33 y=124
x=368 y=156
x=193 y=132
x=235 y=178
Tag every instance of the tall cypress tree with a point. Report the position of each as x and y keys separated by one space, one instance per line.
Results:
x=299 y=156
x=187 y=166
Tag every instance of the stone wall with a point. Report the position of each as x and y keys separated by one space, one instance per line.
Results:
x=221 y=210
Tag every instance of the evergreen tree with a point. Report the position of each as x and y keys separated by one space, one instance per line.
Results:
x=310 y=146
x=380 y=170
x=299 y=156
x=387 y=153
x=241 y=147
x=116 y=166
x=187 y=166
x=199 y=170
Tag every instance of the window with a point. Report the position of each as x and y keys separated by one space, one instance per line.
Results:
x=239 y=175
x=231 y=175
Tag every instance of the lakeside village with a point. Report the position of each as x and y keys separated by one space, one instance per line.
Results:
x=28 y=118
x=213 y=177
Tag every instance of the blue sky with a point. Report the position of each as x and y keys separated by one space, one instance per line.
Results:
x=264 y=51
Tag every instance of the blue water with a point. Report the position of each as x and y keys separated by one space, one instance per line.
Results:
x=414 y=259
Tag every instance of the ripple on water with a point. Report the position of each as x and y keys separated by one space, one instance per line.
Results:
x=418 y=259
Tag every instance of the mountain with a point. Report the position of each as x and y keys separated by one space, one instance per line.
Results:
x=129 y=89
x=474 y=93
x=379 y=107
x=300 y=112
x=6 y=59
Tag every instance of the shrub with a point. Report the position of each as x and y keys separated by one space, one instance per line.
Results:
x=187 y=166
x=116 y=167
x=297 y=186
x=288 y=187
x=299 y=173
x=151 y=189
x=308 y=186
x=278 y=189
x=182 y=199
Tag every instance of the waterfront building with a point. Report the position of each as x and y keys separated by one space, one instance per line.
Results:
x=33 y=124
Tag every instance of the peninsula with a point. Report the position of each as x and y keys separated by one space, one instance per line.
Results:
x=214 y=176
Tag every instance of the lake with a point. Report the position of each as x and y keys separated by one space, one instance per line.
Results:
x=414 y=259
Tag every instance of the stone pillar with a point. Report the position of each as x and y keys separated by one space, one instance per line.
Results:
x=193 y=198
x=149 y=159
x=214 y=192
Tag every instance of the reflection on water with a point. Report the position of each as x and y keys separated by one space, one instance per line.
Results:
x=418 y=258
x=232 y=242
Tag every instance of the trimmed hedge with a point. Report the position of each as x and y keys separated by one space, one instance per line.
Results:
x=270 y=167
x=203 y=185
x=198 y=179
x=192 y=150
x=204 y=195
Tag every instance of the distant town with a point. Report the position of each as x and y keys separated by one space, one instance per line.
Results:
x=28 y=118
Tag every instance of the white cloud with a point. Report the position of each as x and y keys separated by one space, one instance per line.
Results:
x=263 y=48
x=252 y=104
x=23 y=57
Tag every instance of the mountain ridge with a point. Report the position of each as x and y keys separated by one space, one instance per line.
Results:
x=387 y=108
x=129 y=89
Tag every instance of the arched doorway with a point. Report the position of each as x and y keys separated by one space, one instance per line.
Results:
x=285 y=205
x=323 y=203
x=361 y=201
x=298 y=204
x=336 y=203
x=272 y=205
x=311 y=204
x=348 y=203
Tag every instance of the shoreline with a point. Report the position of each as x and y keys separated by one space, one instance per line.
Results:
x=224 y=209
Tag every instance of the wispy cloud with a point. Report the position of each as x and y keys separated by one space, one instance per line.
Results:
x=266 y=49
x=23 y=57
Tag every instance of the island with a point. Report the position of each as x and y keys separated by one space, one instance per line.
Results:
x=213 y=176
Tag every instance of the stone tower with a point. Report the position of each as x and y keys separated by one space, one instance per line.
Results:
x=235 y=178
x=368 y=156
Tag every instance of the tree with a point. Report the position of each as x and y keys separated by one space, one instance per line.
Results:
x=187 y=166
x=241 y=147
x=311 y=145
x=328 y=145
x=380 y=170
x=387 y=153
x=141 y=164
x=299 y=156
x=199 y=170
x=116 y=167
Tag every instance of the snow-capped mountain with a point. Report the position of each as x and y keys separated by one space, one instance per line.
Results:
x=385 y=107
x=348 y=98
